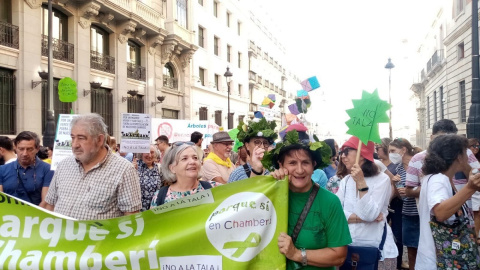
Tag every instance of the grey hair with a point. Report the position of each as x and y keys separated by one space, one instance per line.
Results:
x=155 y=156
x=95 y=124
x=171 y=157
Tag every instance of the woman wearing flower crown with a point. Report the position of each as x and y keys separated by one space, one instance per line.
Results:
x=257 y=138
x=322 y=240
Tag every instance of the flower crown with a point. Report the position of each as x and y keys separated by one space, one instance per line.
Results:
x=257 y=128
x=320 y=150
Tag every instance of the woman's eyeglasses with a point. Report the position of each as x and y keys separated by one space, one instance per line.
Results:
x=475 y=146
x=345 y=151
x=182 y=143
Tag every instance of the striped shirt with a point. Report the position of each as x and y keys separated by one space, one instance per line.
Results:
x=409 y=204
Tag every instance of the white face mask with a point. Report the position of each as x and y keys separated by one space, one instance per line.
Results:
x=395 y=158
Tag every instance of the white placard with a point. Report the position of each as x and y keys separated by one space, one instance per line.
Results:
x=62 y=147
x=180 y=130
x=135 y=133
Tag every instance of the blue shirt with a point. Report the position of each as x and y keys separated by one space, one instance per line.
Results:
x=240 y=174
x=320 y=178
x=330 y=171
x=34 y=178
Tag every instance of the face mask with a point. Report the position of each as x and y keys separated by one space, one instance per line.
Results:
x=395 y=158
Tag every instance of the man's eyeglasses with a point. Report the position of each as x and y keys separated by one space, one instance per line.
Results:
x=265 y=144
x=227 y=144
x=182 y=143
x=345 y=151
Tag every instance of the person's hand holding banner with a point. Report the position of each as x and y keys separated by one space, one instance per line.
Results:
x=365 y=116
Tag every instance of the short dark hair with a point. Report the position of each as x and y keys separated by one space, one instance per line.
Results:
x=162 y=138
x=42 y=153
x=444 y=126
x=442 y=152
x=196 y=136
x=27 y=136
x=6 y=143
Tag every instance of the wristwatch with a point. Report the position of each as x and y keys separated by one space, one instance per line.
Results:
x=304 y=257
x=363 y=189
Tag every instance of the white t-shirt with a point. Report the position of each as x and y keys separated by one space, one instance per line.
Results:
x=374 y=202
x=434 y=191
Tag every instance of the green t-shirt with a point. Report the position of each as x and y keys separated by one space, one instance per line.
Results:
x=325 y=225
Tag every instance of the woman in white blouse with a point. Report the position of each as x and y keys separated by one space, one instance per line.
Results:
x=447 y=155
x=365 y=195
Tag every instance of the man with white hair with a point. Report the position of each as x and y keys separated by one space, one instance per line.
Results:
x=94 y=183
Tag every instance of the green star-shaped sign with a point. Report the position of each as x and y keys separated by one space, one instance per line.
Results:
x=365 y=116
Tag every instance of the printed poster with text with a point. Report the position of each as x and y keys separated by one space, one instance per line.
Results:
x=181 y=130
x=135 y=133
x=62 y=147
x=234 y=226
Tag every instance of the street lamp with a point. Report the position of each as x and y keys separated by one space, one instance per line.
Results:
x=228 y=76
x=389 y=66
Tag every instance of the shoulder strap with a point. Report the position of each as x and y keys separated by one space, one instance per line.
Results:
x=384 y=237
x=205 y=184
x=304 y=213
x=161 y=195
x=23 y=186
x=247 y=170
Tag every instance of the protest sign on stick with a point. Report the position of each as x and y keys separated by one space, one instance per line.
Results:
x=365 y=116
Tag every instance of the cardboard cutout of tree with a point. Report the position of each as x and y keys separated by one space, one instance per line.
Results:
x=365 y=116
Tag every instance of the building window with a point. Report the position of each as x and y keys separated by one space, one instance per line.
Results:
x=229 y=53
x=7 y=102
x=239 y=60
x=169 y=79
x=169 y=114
x=428 y=112
x=215 y=9
x=6 y=11
x=58 y=106
x=182 y=13
x=201 y=75
x=99 y=51
x=228 y=19
x=102 y=103
x=203 y=112
x=135 y=104
x=98 y=40
x=218 y=117
x=200 y=2
x=442 y=113
x=215 y=45
x=133 y=53
x=240 y=90
x=201 y=37
x=461 y=51
x=217 y=82
x=459 y=7
x=240 y=118
x=59 y=24
x=463 y=102
x=239 y=27
x=435 y=106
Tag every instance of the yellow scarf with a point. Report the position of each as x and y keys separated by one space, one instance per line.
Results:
x=227 y=163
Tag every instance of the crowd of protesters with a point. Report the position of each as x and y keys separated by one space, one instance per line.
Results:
x=382 y=199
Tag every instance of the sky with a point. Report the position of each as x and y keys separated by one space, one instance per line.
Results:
x=346 y=44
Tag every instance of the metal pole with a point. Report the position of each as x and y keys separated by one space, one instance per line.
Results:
x=49 y=134
x=473 y=122
x=228 y=99
x=390 y=101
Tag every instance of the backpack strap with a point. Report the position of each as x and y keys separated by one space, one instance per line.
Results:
x=205 y=184
x=161 y=195
x=247 y=170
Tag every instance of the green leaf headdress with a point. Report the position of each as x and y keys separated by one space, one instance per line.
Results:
x=319 y=149
x=257 y=128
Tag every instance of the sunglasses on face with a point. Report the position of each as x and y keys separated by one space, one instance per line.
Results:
x=345 y=151
x=182 y=143
x=475 y=146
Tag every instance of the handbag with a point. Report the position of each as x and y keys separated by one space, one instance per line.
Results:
x=363 y=258
x=455 y=245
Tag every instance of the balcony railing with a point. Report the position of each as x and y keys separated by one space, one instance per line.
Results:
x=252 y=76
x=62 y=50
x=102 y=62
x=171 y=83
x=8 y=35
x=253 y=107
x=136 y=72
x=437 y=58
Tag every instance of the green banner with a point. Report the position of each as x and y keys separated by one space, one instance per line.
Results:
x=234 y=226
